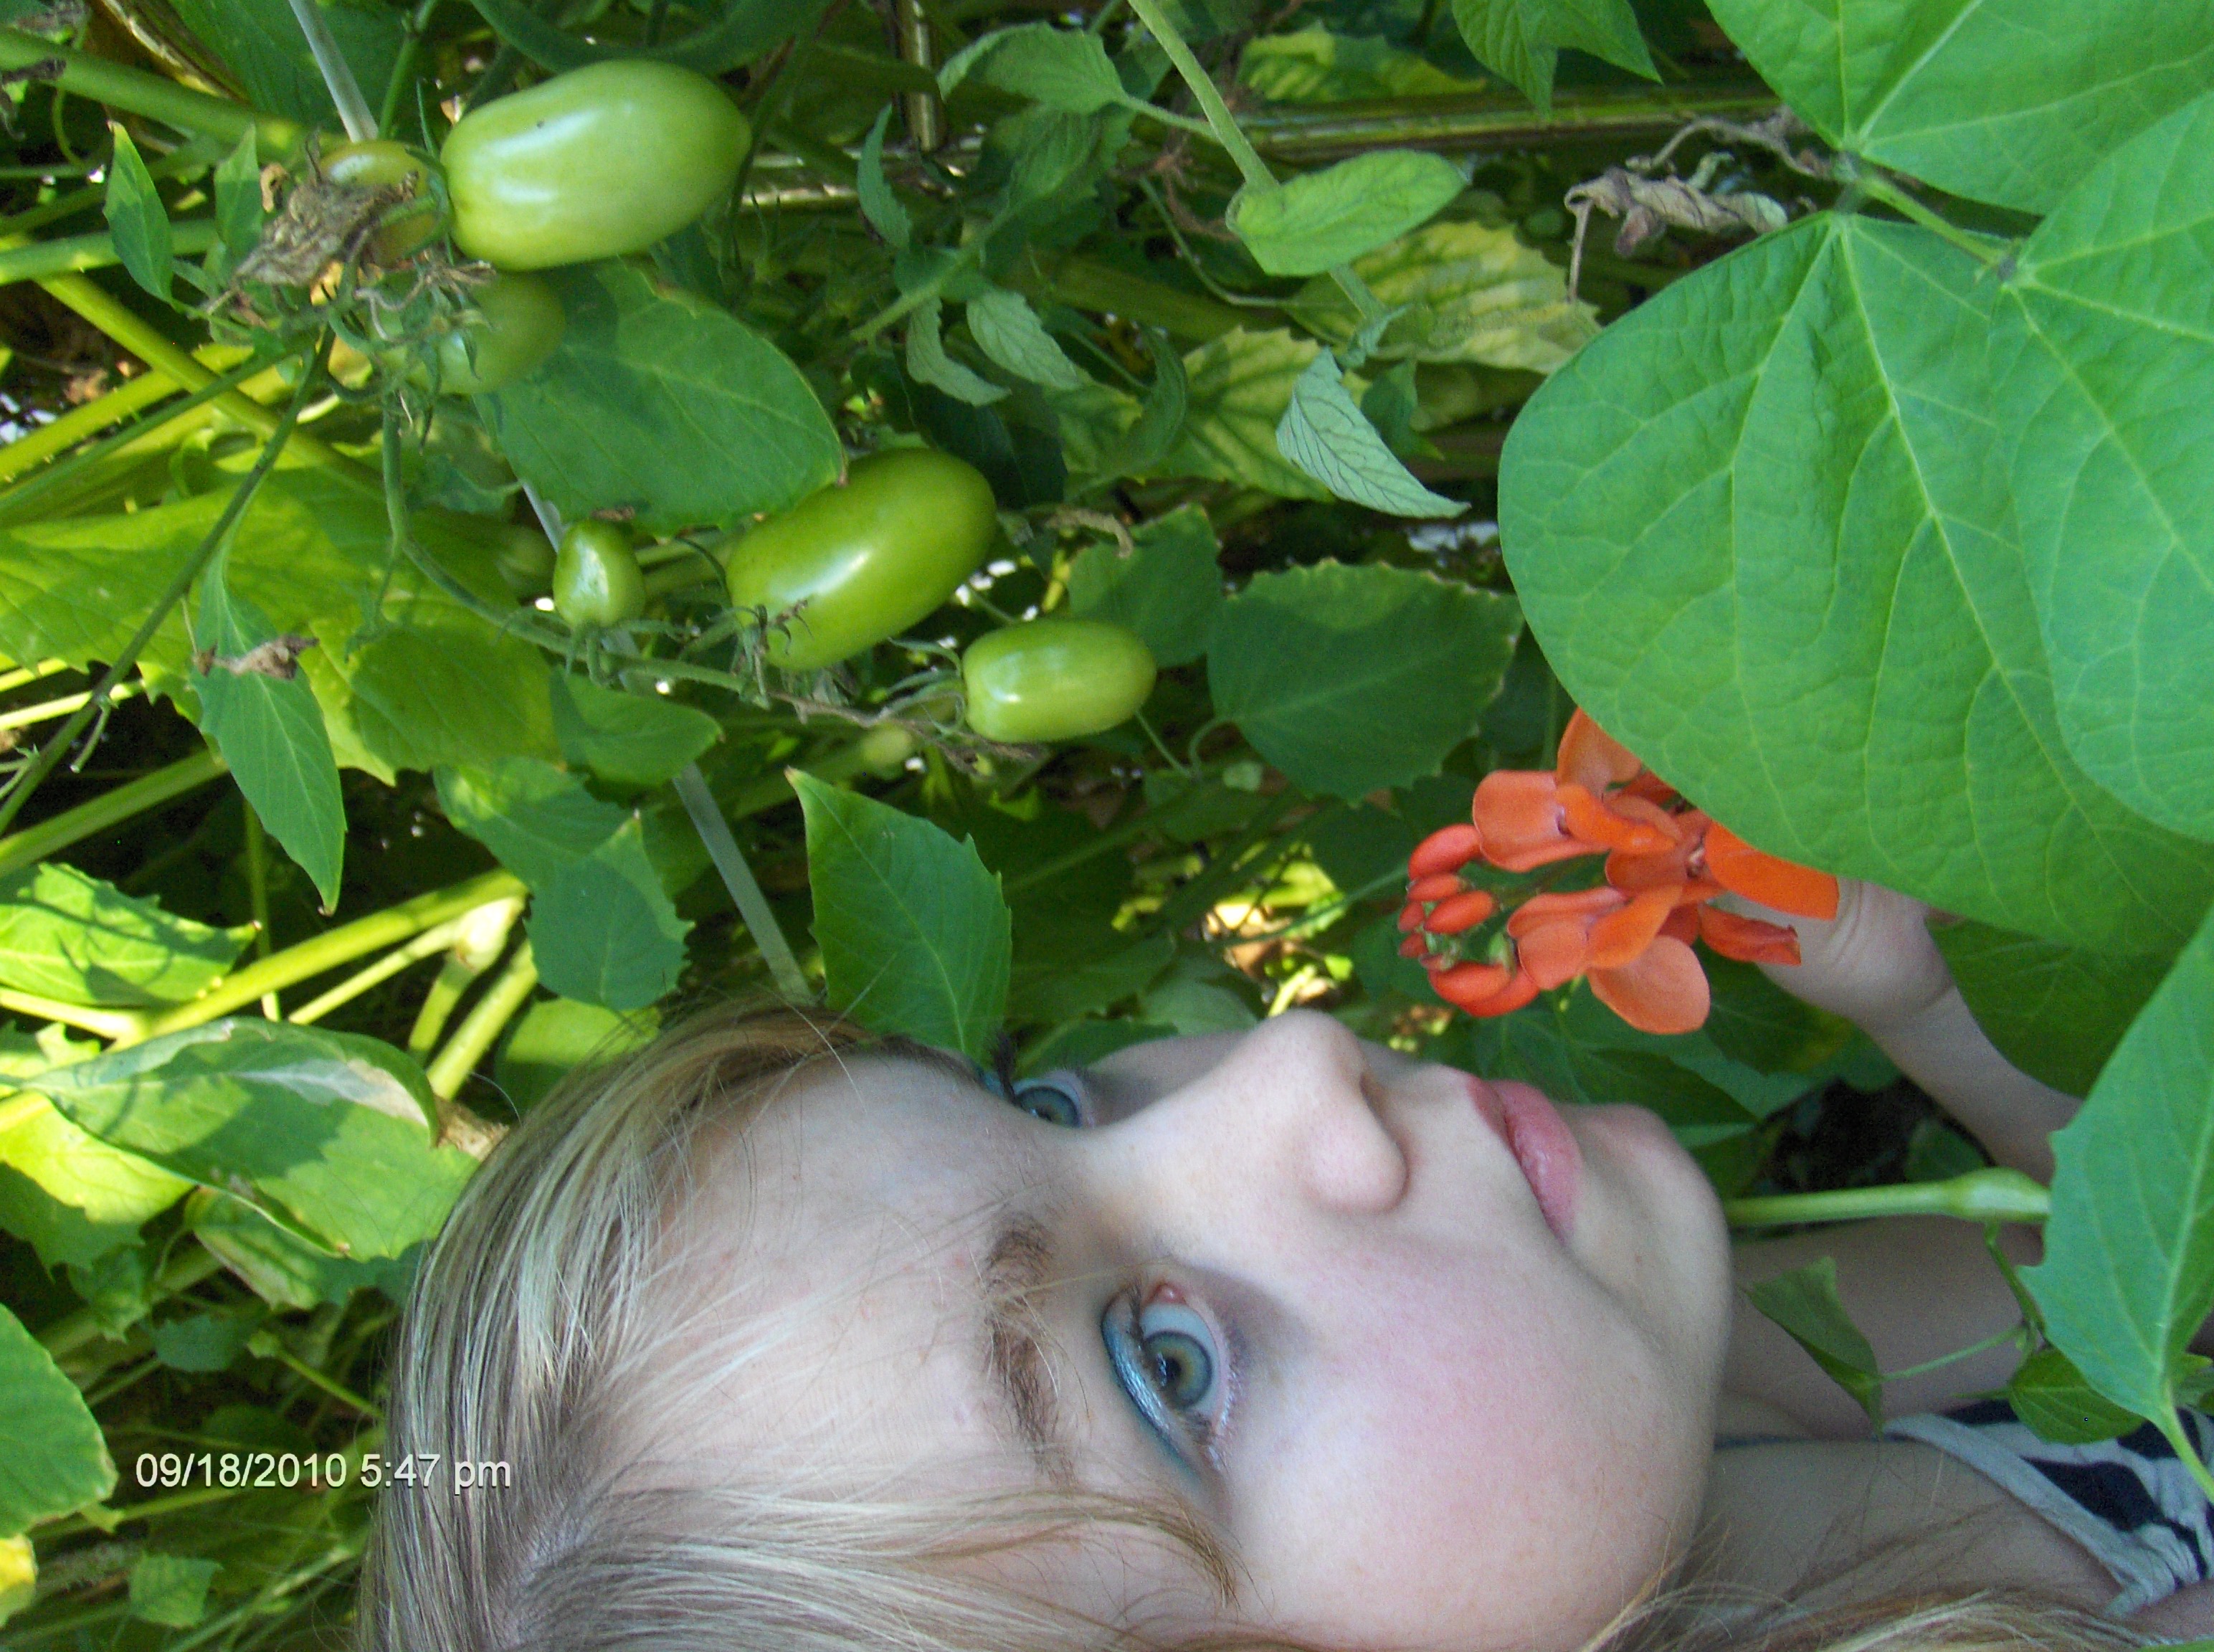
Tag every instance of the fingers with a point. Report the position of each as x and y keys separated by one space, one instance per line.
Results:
x=1874 y=963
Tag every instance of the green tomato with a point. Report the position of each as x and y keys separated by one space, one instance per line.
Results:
x=596 y=576
x=867 y=558
x=884 y=749
x=522 y=321
x=601 y=160
x=1055 y=679
x=379 y=164
x=524 y=557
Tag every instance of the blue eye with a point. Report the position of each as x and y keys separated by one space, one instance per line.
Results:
x=1165 y=1357
x=1058 y=1097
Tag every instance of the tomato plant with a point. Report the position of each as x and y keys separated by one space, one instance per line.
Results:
x=1055 y=679
x=596 y=580
x=603 y=159
x=864 y=559
x=1362 y=391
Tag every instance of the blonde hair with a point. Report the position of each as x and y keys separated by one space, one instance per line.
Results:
x=535 y=1317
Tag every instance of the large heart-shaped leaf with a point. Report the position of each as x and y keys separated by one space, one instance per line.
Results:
x=2005 y=100
x=52 y=1458
x=2105 y=348
x=1762 y=530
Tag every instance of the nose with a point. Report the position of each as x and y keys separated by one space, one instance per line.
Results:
x=1290 y=1110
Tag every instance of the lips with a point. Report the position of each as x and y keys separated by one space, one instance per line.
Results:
x=1538 y=1136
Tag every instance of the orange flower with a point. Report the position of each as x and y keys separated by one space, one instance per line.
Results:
x=1518 y=815
x=1784 y=884
x=1748 y=939
x=1663 y=989
x=1592 y=758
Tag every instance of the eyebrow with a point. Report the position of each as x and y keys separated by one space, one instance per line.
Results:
x=1014 y=1271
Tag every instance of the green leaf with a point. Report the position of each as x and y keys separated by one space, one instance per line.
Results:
x=1313 y=65
x=928 y=364
x=1761 y=528
x=1352 y=678
x=2056 y=1012
x=113 y=1189
x=1523 y=39
x=238 y=198
x=555 y=1036
x=1805 y=1302
x=915 y=934
x=260 y=42
x=1326 y=435
x=170 y=1589
x=536 y=819
x=137 y=221
x=1167 y=589
x=659 y=401
x=1007 y=330
x=1063 y=69
x=2004 y=100
x=445 y=688
x=2105 y=362
x=284 y=1269
x=1053 y=992
x=53 y=1459
x=67 y=935
x=878 y=205
x=1152 y=435
x=745 y=30
x=62 y=1235
x=602 y=929
x=2050 y=1396
x=261 y=714
x=1465 y=293
x=627 y=739
x=325 y=1131
x=1238 y=387
x=1321 y=219
x=2128 y=1274
x=205 y=1341
x=1558 y=1053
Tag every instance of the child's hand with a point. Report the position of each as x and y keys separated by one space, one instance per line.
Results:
x=1874 y=963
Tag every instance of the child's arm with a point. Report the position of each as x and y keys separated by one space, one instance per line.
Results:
x=1876 y=965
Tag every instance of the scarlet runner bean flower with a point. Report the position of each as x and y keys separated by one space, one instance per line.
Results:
x=1629 y=936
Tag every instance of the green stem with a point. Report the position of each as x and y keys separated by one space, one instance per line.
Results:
x=152 y=95
x=109 y=809
x=502 y=1001
x=1878 y=187
x=11 y=681
x=915 y=300
x=307 y=958
x=403 y=65
x=266 y=1344
x=1325 y=132
x=2172 y=1425
x=754 y=909
x=43 y=260
x=107 y=1023
x=337 y=74
x=1227 y=132
x=143 y=341
x=429 y=941
x=1981 y=1196
x=94 y=416
x=57 y=746
x=67 y=1335
x=478 y=942
x=2011 y=1334
x=2022 y=1299
x=24 y=716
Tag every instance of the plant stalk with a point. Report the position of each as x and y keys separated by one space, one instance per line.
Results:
x=1880 y=188
x=117 y=405
x=354 y=108
x=1325 y=132
x=429 y=941
x=96 y=814
x=41 y=261
x=57 y=746
x=106 y=1023
x=502 y=1001
x=153 y=95
x=754 y=909
x=1980 y=1196
x=73 y=1332
x=1227 y=132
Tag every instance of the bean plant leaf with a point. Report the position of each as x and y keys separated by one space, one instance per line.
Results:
x=1325 y=434
x=878 y=205
x=627 y=739
x=915 y=936
x=52 y=1458
x=659 y=401
x=238 y=198
x=1805 y=1303
x=1465 y=292
x=282 y=1268
x=67 y=935
x=1008 y=330
x=170 y=1590
x=1237 y=390
x=536 y=819
x=2128 y=1274
x=1313 y=65
x=1523 y=39
x=1321 y=219
x=137 y=221
x=1064 y=69
x=446 y=688
x=2105 y=346
x=258 y=711
x=1762 y=529
x=1167 y=589
x=1352 y=678
x=602 y=929
x=2050 y=1396
x=2005 y=100
x=327 y=1132
x=2056 y=1012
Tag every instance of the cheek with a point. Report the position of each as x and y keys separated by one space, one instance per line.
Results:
x=1510 y=1482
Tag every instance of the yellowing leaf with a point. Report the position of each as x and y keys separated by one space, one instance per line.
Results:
x=1316 y=66
x=1471 y=294
x=1239 y=386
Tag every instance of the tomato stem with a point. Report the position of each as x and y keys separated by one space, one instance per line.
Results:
x=502 y=1001
x=754 y=909
x=337 y=74
x=153 y=95
x=109 y=809
x=1223 y=124
x=1981 y=1196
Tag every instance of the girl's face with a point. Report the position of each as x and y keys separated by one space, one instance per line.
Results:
x=1436 y=1361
